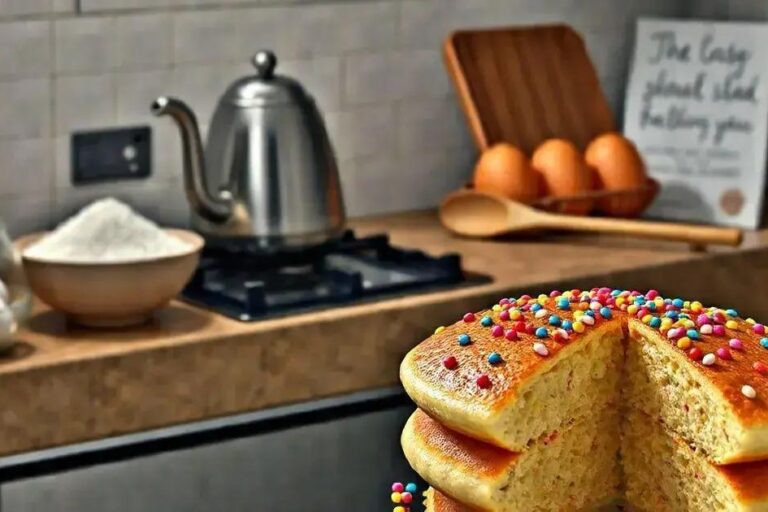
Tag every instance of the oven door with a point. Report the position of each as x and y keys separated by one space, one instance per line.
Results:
x=341 y=453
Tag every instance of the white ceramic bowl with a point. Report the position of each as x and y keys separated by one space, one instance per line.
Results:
x=111 y=294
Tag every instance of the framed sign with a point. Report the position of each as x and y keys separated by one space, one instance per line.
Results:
x=696 y=107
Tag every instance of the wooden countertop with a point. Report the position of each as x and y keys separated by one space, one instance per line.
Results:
x=63 y=385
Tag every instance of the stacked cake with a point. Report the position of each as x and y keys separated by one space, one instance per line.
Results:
x=575 y=400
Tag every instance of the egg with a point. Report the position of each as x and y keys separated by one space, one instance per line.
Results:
x=563 y=173
x=617 y=165
x=504 y=169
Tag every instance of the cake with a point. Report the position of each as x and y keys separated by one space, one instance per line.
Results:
x=491 y=478
x=550 y=381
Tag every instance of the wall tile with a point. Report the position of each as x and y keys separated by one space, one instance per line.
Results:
x=84 y=103
x=63 y=6
x=370 y=78
x=24 y=7
x=613 y=88
x=423 y=23
x=85 y=45
x=201 y=86
x=363 y=131
x=361 y=176
x=25 y=108
x=26 y=166
x=609 y=51
x=144 y=41
x=62 y=165
x=260 y=28
x=366 y=25
x=422 y=74
x=321 y=77
x=338 y=28
x=425 y=177
x=119 y=5
x=426 y=23
x=707 y=9
x=137 y=90
x=206 y=36
x=166 y=204
x=26 y=214
x=26 y=49
x=431 y=124
x=747 y=10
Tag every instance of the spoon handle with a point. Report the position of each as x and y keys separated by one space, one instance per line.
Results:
x=698 y=235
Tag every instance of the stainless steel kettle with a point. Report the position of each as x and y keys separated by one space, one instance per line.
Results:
x=269 y=171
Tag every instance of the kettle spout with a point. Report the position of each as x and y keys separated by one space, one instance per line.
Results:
x=215 y=209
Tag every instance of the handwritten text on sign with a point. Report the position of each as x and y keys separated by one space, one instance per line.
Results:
x=696 y=109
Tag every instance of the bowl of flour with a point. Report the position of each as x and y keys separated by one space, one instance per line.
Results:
x=107 y=266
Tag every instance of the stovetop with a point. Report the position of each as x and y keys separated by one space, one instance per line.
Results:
x=238 y=281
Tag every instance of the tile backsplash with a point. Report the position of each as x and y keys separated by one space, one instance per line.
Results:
x=374 y=67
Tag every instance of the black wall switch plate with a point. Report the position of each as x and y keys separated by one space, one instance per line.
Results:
x=110 y=155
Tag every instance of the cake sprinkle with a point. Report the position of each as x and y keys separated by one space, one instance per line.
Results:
x=541 y=349
x=748 y=391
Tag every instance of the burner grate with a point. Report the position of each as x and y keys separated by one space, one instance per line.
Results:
x=244 y=284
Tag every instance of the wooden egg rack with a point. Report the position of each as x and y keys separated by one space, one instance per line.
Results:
x=526 y=85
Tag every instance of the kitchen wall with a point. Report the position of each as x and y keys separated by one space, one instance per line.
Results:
x=374 y=67
x=737 y=10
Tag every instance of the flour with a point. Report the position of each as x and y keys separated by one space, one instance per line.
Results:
x=106 y=231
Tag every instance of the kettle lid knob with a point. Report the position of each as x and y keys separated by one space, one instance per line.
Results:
x=264 y=61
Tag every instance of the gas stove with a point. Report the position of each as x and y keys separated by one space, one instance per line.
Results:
x=239 y=281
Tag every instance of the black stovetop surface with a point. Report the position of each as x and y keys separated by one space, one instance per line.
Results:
x=235 y=280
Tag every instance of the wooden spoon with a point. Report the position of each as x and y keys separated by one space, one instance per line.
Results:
x=479 y=214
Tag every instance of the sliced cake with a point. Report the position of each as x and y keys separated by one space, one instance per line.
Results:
x=665 y=474
x=571 y=469
x=698 y=390
x=501 y=376
x=518 y=405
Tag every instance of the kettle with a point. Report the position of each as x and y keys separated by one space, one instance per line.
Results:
x=268 y=172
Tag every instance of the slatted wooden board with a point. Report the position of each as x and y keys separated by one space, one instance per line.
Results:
x=526 y=85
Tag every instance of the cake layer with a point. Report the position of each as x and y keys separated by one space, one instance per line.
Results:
x=525 y=396
x=664 y=474
x=435 y=501
x=702 y=404
x=569 y=469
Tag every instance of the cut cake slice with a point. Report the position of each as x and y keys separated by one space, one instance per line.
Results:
x=527 y=384
x=572 y=469
x=665 y=474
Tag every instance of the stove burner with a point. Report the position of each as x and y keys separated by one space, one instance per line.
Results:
x=237 y=281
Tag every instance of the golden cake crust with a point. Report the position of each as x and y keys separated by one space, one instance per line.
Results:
x=439 y=502
x=457 y=450
x=748 y=480
x=425 y=361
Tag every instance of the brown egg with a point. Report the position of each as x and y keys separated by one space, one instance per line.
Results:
x=564 y=173
x=617 y=165
x=504 y=169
